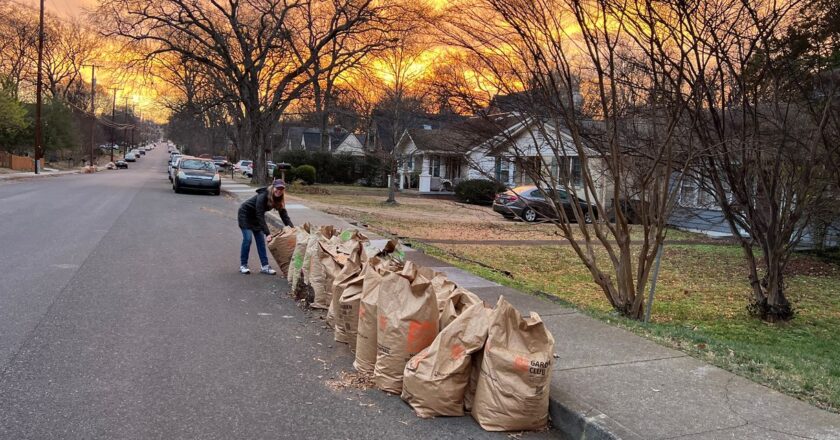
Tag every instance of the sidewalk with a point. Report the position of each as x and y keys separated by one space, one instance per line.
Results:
x=29 y=175
x=611 y=384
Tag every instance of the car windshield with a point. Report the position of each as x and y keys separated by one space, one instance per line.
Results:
x=246 y=163
x=194 y=164
x=219 y=158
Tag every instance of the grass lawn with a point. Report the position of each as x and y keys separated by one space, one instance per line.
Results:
x=701 y=296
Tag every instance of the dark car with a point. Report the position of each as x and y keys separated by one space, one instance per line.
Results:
x=220 y=161
x=197 y=174
x=529 y=204
x=121 y=164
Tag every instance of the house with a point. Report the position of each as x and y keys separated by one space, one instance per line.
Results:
x=309 y=139
x=503 y=148
x=352 y=144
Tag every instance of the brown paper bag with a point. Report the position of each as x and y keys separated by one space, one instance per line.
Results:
x=294 y=276
x=347 y=315
x=333 y=263
x=475 y=371
x=408 y=322
x=513 y=385
x=367 y=323
x=436 y=379
x=282 y=246
x=451 y=305
x=317 y=276
x=344 y=317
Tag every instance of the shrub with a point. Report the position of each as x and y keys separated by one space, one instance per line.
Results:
x=306 y=173
x=478 y=191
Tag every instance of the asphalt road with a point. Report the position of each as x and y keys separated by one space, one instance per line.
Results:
x=123 y=316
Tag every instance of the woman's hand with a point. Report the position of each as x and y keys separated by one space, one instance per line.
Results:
x=269 y=238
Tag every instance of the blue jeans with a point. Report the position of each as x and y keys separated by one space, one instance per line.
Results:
x=247 y=236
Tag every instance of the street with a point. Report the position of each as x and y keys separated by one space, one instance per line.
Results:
x=122 y=315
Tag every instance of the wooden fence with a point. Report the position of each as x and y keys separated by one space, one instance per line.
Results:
x=17 y=163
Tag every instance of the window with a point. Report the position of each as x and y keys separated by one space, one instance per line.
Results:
x=536 y=194
x=577 y=176
x=435 y=166
x=502 y=170
x=193 y=164
x=410 y=162
x=688 y=193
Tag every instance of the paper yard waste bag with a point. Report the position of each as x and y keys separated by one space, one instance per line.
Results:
x=347 y=315
x=453 y=304
x=282 y=247
x=392 y=251
x=513 y=384
x=475 y=370
x=332 y=262
x=435 y=380
x=317 y=276
x=408 y=322
x=294 y=276
x=367 y=324
x=337 y=317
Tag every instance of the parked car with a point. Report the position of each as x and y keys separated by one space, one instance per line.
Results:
x=173 y=167
x=238 y=165
x=130 y=157
x=249 y=171
x=197 y=174
x=121 y=164
x=142 y=152
x=220 y=161
x=529 y=203
x=172 y=158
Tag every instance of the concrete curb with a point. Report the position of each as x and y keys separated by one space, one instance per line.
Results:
x=580 y=421
x=13 y=177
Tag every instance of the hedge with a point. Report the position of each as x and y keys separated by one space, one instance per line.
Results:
x=478 y=191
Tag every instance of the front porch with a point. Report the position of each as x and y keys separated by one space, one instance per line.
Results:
x=432 y=173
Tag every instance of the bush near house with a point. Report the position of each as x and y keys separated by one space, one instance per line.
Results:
x=478 y=191
x=306 y=173
x=337 y=168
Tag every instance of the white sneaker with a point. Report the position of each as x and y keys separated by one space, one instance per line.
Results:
x=244 y=270
x=268 y=270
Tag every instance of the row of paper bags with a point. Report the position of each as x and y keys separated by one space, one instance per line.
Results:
x=420 y=335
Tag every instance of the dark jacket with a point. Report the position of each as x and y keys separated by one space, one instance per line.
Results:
x=252 y=213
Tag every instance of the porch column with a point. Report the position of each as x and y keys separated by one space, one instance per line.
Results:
x=402 y=178
x=425 y=175
x=511 y=172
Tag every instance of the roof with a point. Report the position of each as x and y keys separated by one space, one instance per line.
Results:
x=439 y=141
x=310 y=138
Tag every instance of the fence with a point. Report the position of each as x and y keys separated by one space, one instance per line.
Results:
x=17 y=163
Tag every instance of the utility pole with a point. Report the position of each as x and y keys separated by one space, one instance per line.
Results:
x=92 y=108
x=39 y=136
x=125 y=121
x=114 y=121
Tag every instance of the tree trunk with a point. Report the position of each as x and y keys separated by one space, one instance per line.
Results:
x=392 y=186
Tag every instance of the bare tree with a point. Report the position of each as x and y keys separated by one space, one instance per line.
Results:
x=399 y=71
x=763 y=159
x=583 y=118
x=67 y=47
x=18 y=42
x=255 y=50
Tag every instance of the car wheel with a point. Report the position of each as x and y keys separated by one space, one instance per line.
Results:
x=217 y=192
x=529 y=215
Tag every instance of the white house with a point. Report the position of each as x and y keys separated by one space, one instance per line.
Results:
x=436 y=160
x=352 y=144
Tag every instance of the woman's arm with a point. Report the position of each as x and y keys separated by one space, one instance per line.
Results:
x=284 y=215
